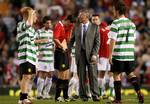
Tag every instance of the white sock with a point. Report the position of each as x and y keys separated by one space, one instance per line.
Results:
x=111 y=86
x=30 y=89
x=40 y=85
x=48 y=84
x=77 y=88
x=111 y=82
x=101 y=84
x=71 y=86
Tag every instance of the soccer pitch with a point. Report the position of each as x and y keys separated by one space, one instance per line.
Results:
x=131 y=99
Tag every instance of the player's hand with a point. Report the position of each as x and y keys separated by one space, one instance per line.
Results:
x=31 y=17
x=110 y=59
x=45 y=40
x=64 y=45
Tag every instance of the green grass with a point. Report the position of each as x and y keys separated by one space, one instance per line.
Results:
x=131 y=99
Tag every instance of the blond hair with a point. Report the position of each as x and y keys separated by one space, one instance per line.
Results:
x=25 y=11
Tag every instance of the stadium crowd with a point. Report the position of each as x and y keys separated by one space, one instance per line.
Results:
x=138 y=11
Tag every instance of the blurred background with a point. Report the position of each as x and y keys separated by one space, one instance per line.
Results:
x=138 y=11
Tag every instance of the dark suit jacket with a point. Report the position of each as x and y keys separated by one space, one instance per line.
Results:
x=92 y=41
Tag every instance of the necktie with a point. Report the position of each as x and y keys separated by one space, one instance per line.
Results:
x=83 y=38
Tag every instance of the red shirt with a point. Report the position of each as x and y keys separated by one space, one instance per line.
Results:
x=104 y=47
x=68 y=31
x=59 y=32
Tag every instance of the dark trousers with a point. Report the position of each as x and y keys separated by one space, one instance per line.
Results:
x=92 y=75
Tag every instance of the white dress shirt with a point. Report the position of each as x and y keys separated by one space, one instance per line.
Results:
x=86 y=26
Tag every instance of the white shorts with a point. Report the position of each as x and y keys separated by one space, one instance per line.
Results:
x=73 y=67
x=46 y=67
x=103 y=64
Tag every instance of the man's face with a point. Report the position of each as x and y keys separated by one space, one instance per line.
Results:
x=48 y=24
x=83 y=17
x=96 y=20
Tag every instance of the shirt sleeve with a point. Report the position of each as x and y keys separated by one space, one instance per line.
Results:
x=113 y=32
x=21 y=27
x=56 y=31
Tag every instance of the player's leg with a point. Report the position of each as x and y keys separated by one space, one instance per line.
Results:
x=111 y=83
x=65 y=77
x=101 y=82
x=40 y=84
x=26 y=71
x=30 y=93
x=72 y=78
x=71 y=87
x=24 y=86
x=73 y=83
x=117 y=68
x=58 y=86
x=63 y=74
x=117 y=87
x=102 y=67
x=48 y=80
x=41 y=79
x=134 y=80
x=77 y=87
x=48 y=84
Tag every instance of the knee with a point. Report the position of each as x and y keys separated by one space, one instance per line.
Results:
x=131 y=75
x=27 y=77
x=117 y=77
x=101 y=74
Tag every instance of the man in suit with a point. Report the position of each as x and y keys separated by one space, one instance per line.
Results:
x=86 y=37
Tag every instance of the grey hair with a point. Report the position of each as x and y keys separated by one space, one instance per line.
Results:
x=86 y=11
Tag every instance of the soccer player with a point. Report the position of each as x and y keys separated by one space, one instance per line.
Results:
x=61 y=60
x=26 y=51
x=103 y=64
x=122 y=59
x=45 y=60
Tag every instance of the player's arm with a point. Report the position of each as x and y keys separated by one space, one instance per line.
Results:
x=38 y=39
x=41 y=41
x=111 y=48
x=57 y=34
x=112 y=35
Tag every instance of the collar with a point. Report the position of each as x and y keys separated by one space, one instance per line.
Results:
x=60 y=22
x=86 y=24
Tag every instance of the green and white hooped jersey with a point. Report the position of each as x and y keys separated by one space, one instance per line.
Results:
x=46 y=49
x=122 y=30
x=27 y=48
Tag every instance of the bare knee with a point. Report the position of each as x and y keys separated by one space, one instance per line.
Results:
x=117 y=76
x=27 y=77
x=101 y=74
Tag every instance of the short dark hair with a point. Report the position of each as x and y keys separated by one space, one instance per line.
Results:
x=71 y=18
x=94 y=15
x=45 y=19
x=120 y=6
